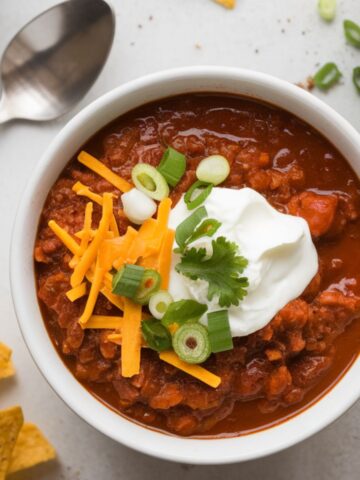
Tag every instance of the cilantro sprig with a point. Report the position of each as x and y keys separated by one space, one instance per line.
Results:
x=222 y=271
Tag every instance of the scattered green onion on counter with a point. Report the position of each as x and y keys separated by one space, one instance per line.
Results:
x=191 y=343
x=127 y=280
x=327 y=9
x=352 y=33
x=183 y=311
x=214 y=169
x=156 y=335
x=327 y=76
x=197 y=194
x=356 y=78
x=186 y=228
x=219 y=331
x=148 y=180
x=159 y=303
x=172 y=166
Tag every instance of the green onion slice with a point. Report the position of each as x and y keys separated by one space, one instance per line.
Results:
x=356 y=78
x=183 y=311
x=214 y=169
x=197 y=194
x=127 y=280
x=352 y=33
x=219 y=331
x=191 y=343
x=186 y=228
x=149 y=181
x=149 y=284
x=206 y=229
x=156 y=335
x=327 y=76
x=172 y=166
x=159 y=303
x=327 y=9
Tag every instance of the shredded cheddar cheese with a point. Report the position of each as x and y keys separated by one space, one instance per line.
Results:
x=129 y=238
x=117 y=338
x=163 y=213
x=104 y=321
x=89 y=255
x=93 y=294
x=165 y=258
x=77 y=292
x=65 y=237
x=230 y=4
x=194 y=370
x=81 y=189
x=131 y=339
x=87 y=228
x=102 y=249
x=114 y=299
x=96 y=166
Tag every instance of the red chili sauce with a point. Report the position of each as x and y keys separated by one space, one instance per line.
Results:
x=271 y=374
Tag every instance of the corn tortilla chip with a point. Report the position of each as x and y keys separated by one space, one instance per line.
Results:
x=6 y=366
x=11 y=421
x=30 y=449
x=227 y=3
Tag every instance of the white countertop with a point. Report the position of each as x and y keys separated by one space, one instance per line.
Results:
x=283 y=37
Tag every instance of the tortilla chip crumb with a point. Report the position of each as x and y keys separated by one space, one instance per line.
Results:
x=227 y=3
x=31 y=449
x=11 y=421
x=6 y=366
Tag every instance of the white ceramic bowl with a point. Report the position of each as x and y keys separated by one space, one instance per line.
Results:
x=67 y=142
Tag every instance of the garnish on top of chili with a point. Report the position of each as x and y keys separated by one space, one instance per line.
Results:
x=102 y=251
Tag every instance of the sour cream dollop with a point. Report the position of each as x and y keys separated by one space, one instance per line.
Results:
x=282 y=257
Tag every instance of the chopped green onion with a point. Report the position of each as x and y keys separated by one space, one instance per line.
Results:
x=137 y=206
x=149 y=181
x=214 y=169
x=219 y=331
x=197 y=194
x=186 y=228
x=159 y=303
x=191 y=343
x=352 y=33
x=127 y=280
x=356 y=78
x=327 y=76
x=206 y=229
x=327 y=9
x=172 y=166
x=156 y=335
x=183 y=311
x=150 y=283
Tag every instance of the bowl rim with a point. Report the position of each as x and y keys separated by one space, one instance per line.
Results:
x=187 y=450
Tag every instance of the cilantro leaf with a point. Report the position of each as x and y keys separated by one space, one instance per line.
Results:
x=222 y=270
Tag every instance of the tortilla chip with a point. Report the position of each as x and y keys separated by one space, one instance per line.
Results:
x=11 y=421
x=30 y=449
x=227 y=3
x=6 y=366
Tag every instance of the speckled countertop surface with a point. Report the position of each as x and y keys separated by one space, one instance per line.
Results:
x=282 y=37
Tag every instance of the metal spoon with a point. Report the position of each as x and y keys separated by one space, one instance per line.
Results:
x=53 y=61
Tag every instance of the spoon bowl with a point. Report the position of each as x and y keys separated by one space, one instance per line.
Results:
x=53 y=60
